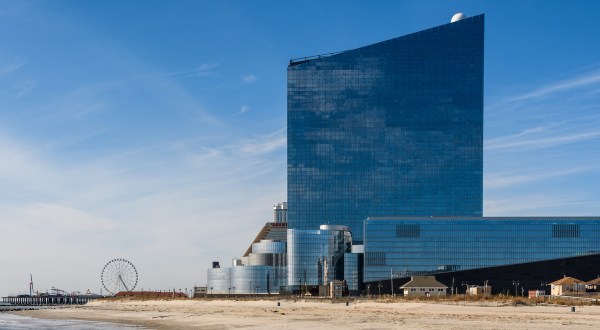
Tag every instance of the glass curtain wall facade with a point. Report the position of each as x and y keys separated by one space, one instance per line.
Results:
x=394 y=128
x=257 y=279
x=353 y=271
x=316 y=257
x=420 y=246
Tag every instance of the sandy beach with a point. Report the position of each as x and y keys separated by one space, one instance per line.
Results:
x=305 y=314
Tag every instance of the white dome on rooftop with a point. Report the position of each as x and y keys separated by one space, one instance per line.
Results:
x=457 y=17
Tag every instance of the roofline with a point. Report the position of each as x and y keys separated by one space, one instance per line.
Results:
x=423 y=286
x=511 y=218
x=301 y=60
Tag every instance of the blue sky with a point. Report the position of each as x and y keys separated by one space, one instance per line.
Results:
x=156 y=131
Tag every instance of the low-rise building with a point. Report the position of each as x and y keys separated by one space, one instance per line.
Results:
x=424 y=286
x=480 y=290
x=199 y=292
x=593 y=285
x=567 y=285
x=536 y=293
x=336 y=289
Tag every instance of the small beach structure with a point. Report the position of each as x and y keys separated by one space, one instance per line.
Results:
x=566 y=286
x=593 y=285
x=424 y=286
x=480 y=290
x=536 y=293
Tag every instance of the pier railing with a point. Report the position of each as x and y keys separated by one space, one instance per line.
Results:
x=26 y=300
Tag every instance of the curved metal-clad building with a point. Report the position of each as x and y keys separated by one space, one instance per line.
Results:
x=262 y=271
x=218 y=280
x=257 y=279
x=268 y=246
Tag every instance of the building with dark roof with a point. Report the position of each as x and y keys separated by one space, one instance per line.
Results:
x=424 y=286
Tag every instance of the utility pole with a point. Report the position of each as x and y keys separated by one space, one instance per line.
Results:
x=392 y=281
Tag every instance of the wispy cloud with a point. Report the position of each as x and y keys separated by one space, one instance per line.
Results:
x=250 y=146
x=203 y=70
x=206 y=69
x=243 y=109
x=23 y=87
x=531 y=205
x=12 y=66
x=97 y=203
x=512 y=142
x=560 y=86
x=265 y=144
x=249 y=78
x=161 y=90
x=541 y=159
x=503 y=180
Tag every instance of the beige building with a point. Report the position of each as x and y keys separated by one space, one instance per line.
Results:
x=567 y=285
x=336 y=288
x=424 y=286
x=480 y=290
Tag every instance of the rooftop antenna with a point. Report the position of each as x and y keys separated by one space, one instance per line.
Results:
x=31 y=285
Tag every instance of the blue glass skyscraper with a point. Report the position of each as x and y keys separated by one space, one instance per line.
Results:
x=390 y=129
x=385 y=166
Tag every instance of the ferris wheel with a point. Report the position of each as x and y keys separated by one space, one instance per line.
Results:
x=119 y=275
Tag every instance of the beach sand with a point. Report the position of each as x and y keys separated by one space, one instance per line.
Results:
x=307 y=314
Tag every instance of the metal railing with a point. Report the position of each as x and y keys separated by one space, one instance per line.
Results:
x=313 y=57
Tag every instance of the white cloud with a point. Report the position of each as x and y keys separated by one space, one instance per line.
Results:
x=243 y=109
x=564 y=85
x=537 y=143
x=533 y=205
x=23 y=87
x=165 y=218
x=265 y=144
x=202 y=70
x=502 y=180
x=12 y=66
x=21 y=164
x=249 y=78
